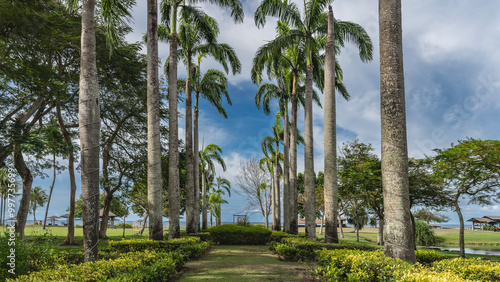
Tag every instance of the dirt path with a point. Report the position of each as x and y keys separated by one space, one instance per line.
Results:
x=244 y=263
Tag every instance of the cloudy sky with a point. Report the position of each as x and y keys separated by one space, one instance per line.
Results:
x=452 y=80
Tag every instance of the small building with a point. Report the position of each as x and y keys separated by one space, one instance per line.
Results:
x=478 y=223
x=111 y=217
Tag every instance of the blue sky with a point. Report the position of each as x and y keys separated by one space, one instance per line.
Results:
x=452 y=81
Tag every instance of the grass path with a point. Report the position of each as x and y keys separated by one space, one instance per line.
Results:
x=243 y=263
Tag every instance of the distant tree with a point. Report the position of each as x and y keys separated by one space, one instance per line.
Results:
x=428 y=216
x=38 y=199
x=249 y=183
x=470 y=170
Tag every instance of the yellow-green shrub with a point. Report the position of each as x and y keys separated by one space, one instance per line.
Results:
x=473 y=268
x=427 y=257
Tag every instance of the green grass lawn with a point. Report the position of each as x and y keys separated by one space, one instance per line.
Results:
x=243 y=263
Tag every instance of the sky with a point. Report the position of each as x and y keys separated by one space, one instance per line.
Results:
x=452 y=85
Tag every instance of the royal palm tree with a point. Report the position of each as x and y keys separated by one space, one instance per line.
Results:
x=113 y=13
x=207 y=157
x=169 y=10
x=199 y=39
x=220 y=187
x=154 y=143
x=38 y=199
x=307 y=31
x=330 y=177
x=398 y=230
x=263 y=188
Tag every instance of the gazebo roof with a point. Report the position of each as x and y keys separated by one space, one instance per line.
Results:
x=481 y=219
x=53 y=217
x=110 y=214
x=494 y=218
x=65 y=215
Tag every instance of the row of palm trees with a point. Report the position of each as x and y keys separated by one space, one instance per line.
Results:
x=293 y=58
x=293 y=55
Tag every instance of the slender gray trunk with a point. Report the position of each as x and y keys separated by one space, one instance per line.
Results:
x=286 y=173
x=174 y=200
x=155 y=198
x=398 y=231
x=461 y=237
x=330 y=182
x=310 y=209
x=196 y=165
x=204 y=200
x=340 y=225
x=273 y=201
x=70 y=238
x=108 y=197
x=190 y=191
x=143 y=225
x=294 y=228
x=277 y=205
x=51 y=189
x=89 y=121
x=266 y=214
x=380 y=235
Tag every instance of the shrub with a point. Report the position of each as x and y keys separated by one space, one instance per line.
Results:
x=474 y=268
x=135 y=245
x=296 y=248
x=424 y=234
x=233 y=234
x=427 y=257
x=120 y=225
x=154 y=266
x=356 y=265
x=276 y=236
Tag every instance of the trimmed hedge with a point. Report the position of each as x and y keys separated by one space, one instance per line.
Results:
x=136 y=245
x=277 y=236
x=149 y=261
x=473 y=268
x=295 y=248
x=138 y=266
x=233 y=234
x=427 y=257
x=355 y=265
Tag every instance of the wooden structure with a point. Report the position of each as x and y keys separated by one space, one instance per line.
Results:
x=478 y=223
x=111 y=217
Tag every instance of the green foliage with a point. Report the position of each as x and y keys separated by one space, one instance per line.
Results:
x=355 y=265
x=138 y=245
x=120 y=225
x=295 y=248
x=474 y=268
x=424 y=234
x=116 y=263
x=427 y=257
x=233 y=234
x=277 y=236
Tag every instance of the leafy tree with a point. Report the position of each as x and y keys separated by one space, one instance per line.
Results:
x=428 y=216
x=424 y=234
x=469 y=170
x=219 y=188
x=360 y=181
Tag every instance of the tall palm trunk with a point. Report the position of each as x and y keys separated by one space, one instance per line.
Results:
x=266 y=215
x=196 y=165
x=273 y=201
x=294 y=228
x=277 y=206
x=70 y=238
x=51 y=189
x=331 y=189
x=204 y=200
x=190 y=191
x=174 y=200
x=89 y=121
x=398 y=231
x=286 y=173
x=310 y=210
x=155 y=199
